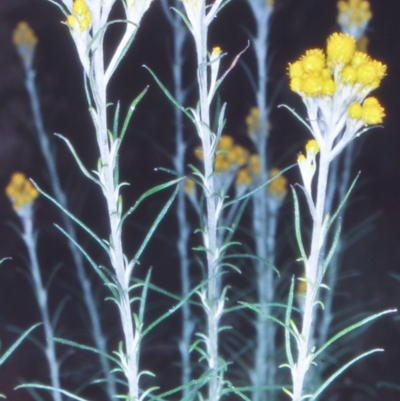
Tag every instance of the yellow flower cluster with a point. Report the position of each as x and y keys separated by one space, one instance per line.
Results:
x=247 y=173
x=371 y=112
x=81 y=18
x=314 y=74
x=253 y=120
x=20 y=191
x=25 y=40
x=310 y=76
x=228 y=154
x=343 y=70
x=278 y=185
x=353 y=12
x=245 y=176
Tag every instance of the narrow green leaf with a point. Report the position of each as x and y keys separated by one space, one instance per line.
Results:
x=147 y=194
x=298 y=117
x=288 y=315
x=297 y=224
x=50 y=388
x=351 y=328
x=157 y=220
x=132 y=108
x=96 y=268
x=143 y=298
x=169 y=95
x=60 y=7
x=78 y=160
x=248 y=194
x=75 y=219
x=17 y=343
x=109 y=73
x=341 y=370
x=333 y=248
x=343 y=202
x=85 y=347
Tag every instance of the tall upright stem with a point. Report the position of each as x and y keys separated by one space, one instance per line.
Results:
x=42 y=300
x=264 y=365
x=180 y=35
x=314 y=272
x=61 y=197
x=210 y=224
x=111 y=193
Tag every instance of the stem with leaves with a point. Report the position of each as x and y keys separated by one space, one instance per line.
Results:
x=60 y=196
x=264 y=225
x=198 y=20
x=179 y=37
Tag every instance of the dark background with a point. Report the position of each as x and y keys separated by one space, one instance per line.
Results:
x=296 y=26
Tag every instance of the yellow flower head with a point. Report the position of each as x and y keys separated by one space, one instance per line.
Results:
x=25 y=40
x=81 y=19
x=243 y=178
x=312 y=148
x=216 y=51
x=370 y=112
x=20 y=191
x=313 y=61
x=238 y=155
x=278 y=185
x=307 y=164
x=189 y=186
x=355 y=111
x=340 y=48
x=254 y=164
x=23 y=35
x=373 y=112
x=225 y=143
x=301 y=287
x=253 y=120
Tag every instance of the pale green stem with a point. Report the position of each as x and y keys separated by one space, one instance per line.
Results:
x=210 y=234
x=61 y=197
x=41 y=296
x=314 y=278
x=131 y=342
x=264 y=369
x=180 y=35
x=340 y=183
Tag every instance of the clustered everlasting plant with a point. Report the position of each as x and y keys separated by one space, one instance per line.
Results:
x=228 y=181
